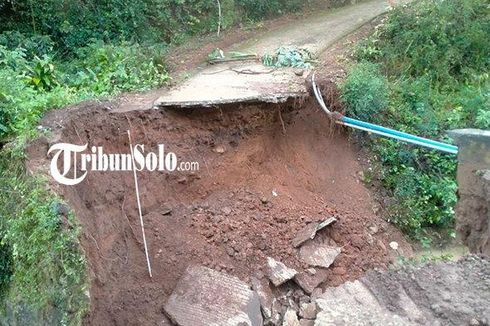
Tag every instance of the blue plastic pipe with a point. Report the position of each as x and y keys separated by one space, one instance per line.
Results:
x=403 y=136
x=386 y=132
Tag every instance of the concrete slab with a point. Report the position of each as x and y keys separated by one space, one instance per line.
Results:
x=455 y=293
x=319 y=254
x=204 y=297
x=224 y=84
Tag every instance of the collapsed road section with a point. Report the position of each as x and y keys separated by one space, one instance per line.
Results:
x=261 y=234
x=265 y=188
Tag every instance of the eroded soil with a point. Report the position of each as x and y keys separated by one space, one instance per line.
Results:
x=224 y=216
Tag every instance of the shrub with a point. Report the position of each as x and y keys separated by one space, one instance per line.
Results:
x=31 y=45
x=365 y=92
x=22 y=106
x=72 y=24
x=435 y=58
x=108 y=69
x=39 y=253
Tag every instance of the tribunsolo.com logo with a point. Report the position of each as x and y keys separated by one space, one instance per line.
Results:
x=71 y=163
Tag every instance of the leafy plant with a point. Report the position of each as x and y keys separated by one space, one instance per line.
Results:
x=289 y=57
x=365 y=91
x=108 y=69
x=42 y=76
x=435 y=59
x=40 y=254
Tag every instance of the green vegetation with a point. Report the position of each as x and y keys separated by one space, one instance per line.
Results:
x=73 y=24
x=42 y=267
x=425 y=70
x=54 y=53
x=289 y=57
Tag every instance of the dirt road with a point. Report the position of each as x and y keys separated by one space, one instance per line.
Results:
x=233 y=82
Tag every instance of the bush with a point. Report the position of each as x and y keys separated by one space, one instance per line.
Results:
x=39 y=253
x=74 y=23
x=22 y=106
x=441 y=40
x=28 y=88
x=108 y=69
x=365 y=92
x=257 y=10
x=31 y=45
x=435 y=57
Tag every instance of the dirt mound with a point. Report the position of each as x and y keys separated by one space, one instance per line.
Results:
x=265 y=172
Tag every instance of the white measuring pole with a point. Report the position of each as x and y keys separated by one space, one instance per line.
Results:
x=139 y=203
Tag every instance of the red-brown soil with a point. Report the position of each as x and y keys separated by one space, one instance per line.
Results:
x=223 y=216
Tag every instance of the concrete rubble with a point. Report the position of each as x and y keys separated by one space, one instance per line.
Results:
x=308 y=310
x=308 y=281
x=436 y=294
x=204 y=297
x=320 y=255
x=263 y=290
x=278 y=272
x=310 y=230
x=290 y=318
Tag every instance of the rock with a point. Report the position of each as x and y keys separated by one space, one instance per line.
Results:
x=277 y=310
x=278 y=272
x=319 y=255
x=306 y=322
x=373 y=229
x=340 y=271
x=309 y=282
x=230 y=251
x=309 y=231
x=394 y=245
x=312 y=271
x=308 y=310
x=165 y=210
x=316 y=293
x=226 y=210
x=290 y=318
x=263 y=290
x=299 y=72
x=204 y=297
x=220 y=149
x=264 y=200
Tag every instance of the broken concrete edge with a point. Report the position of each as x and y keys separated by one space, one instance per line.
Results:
x=460 y=135
x=472 y=218
x=279 y=273
x=319 y=255
x=309 y=231
x=263 y=290
x=204 y=296
x=273 y=99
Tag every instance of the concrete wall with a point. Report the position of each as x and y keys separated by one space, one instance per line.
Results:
x=473 y=208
